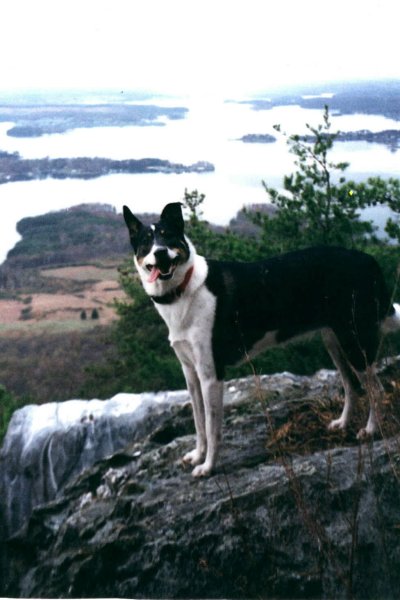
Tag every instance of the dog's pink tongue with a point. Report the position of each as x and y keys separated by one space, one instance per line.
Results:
x=154 y=274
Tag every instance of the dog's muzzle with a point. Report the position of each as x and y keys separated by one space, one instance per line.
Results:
x=164 y=266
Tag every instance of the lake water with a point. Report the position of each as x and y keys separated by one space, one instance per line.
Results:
x=209 y=132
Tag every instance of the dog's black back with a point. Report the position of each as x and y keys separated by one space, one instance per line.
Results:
x=295 y=293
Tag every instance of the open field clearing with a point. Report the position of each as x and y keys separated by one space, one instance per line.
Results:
x=92 y=305
x=47 y=326
x=50 y=361
x=83 y=273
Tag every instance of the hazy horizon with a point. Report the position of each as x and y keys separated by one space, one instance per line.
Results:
x=146 y=94
x=197 y=49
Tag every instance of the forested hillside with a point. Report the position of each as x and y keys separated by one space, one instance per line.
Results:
x=69 y=236
x=76 y=236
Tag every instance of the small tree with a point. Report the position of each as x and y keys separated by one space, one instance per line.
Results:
x=192 y=201
x=223 y=244
x=317 y=205
x=195 y=227
x=391 y=197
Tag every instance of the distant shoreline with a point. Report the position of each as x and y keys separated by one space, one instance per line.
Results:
x=14 y=168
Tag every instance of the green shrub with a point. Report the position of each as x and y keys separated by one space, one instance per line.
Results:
x=8 y=404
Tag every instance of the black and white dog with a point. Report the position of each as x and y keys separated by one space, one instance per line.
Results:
x=221 y=313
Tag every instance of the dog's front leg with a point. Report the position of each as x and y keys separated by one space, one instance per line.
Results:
x=212 y=393
x=196 y=456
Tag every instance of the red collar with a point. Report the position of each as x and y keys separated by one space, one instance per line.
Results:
x=177 y=292
x=182 y=287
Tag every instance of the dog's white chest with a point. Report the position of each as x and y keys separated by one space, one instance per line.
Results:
x=191 y=318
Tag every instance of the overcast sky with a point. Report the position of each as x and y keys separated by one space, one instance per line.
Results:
x=212 y=47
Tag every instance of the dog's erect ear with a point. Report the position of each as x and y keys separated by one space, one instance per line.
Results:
x=134 y=226
x=132 y=222
x=172 y=216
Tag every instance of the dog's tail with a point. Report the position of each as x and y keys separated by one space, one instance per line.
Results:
x=392 y=321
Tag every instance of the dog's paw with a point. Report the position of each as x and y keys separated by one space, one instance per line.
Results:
x=337 y=424
x=202 y=470
x=195 y=457
x=365 y=434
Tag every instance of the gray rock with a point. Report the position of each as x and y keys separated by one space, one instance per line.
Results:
x=47 y=446
x=291 y=512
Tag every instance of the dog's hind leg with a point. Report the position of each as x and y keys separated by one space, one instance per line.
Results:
x=347 y=376
x=196 y=456
x=362 y=348
x=356 y=364
x=375 y=391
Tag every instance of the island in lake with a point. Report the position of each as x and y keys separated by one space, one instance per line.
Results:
x=258 y=138
x=37 y=120
x=389 y=137
x=14 y=168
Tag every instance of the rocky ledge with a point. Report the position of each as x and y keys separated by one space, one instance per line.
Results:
x=292 y=511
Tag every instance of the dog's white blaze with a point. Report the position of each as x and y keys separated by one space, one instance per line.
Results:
x=150 y=258
x=172 y=253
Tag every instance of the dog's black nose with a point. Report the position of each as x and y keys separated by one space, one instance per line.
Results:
x=161 y=252
x=163 y=260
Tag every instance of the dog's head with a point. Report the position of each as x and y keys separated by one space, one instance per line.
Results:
x=160 y=249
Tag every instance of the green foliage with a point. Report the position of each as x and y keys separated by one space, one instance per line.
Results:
x=317 y=204
x=391 y=196
x=68 y=237
x=8 y=404
x=224 y=245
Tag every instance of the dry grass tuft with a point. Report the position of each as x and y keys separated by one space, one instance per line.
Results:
x=306 y=428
